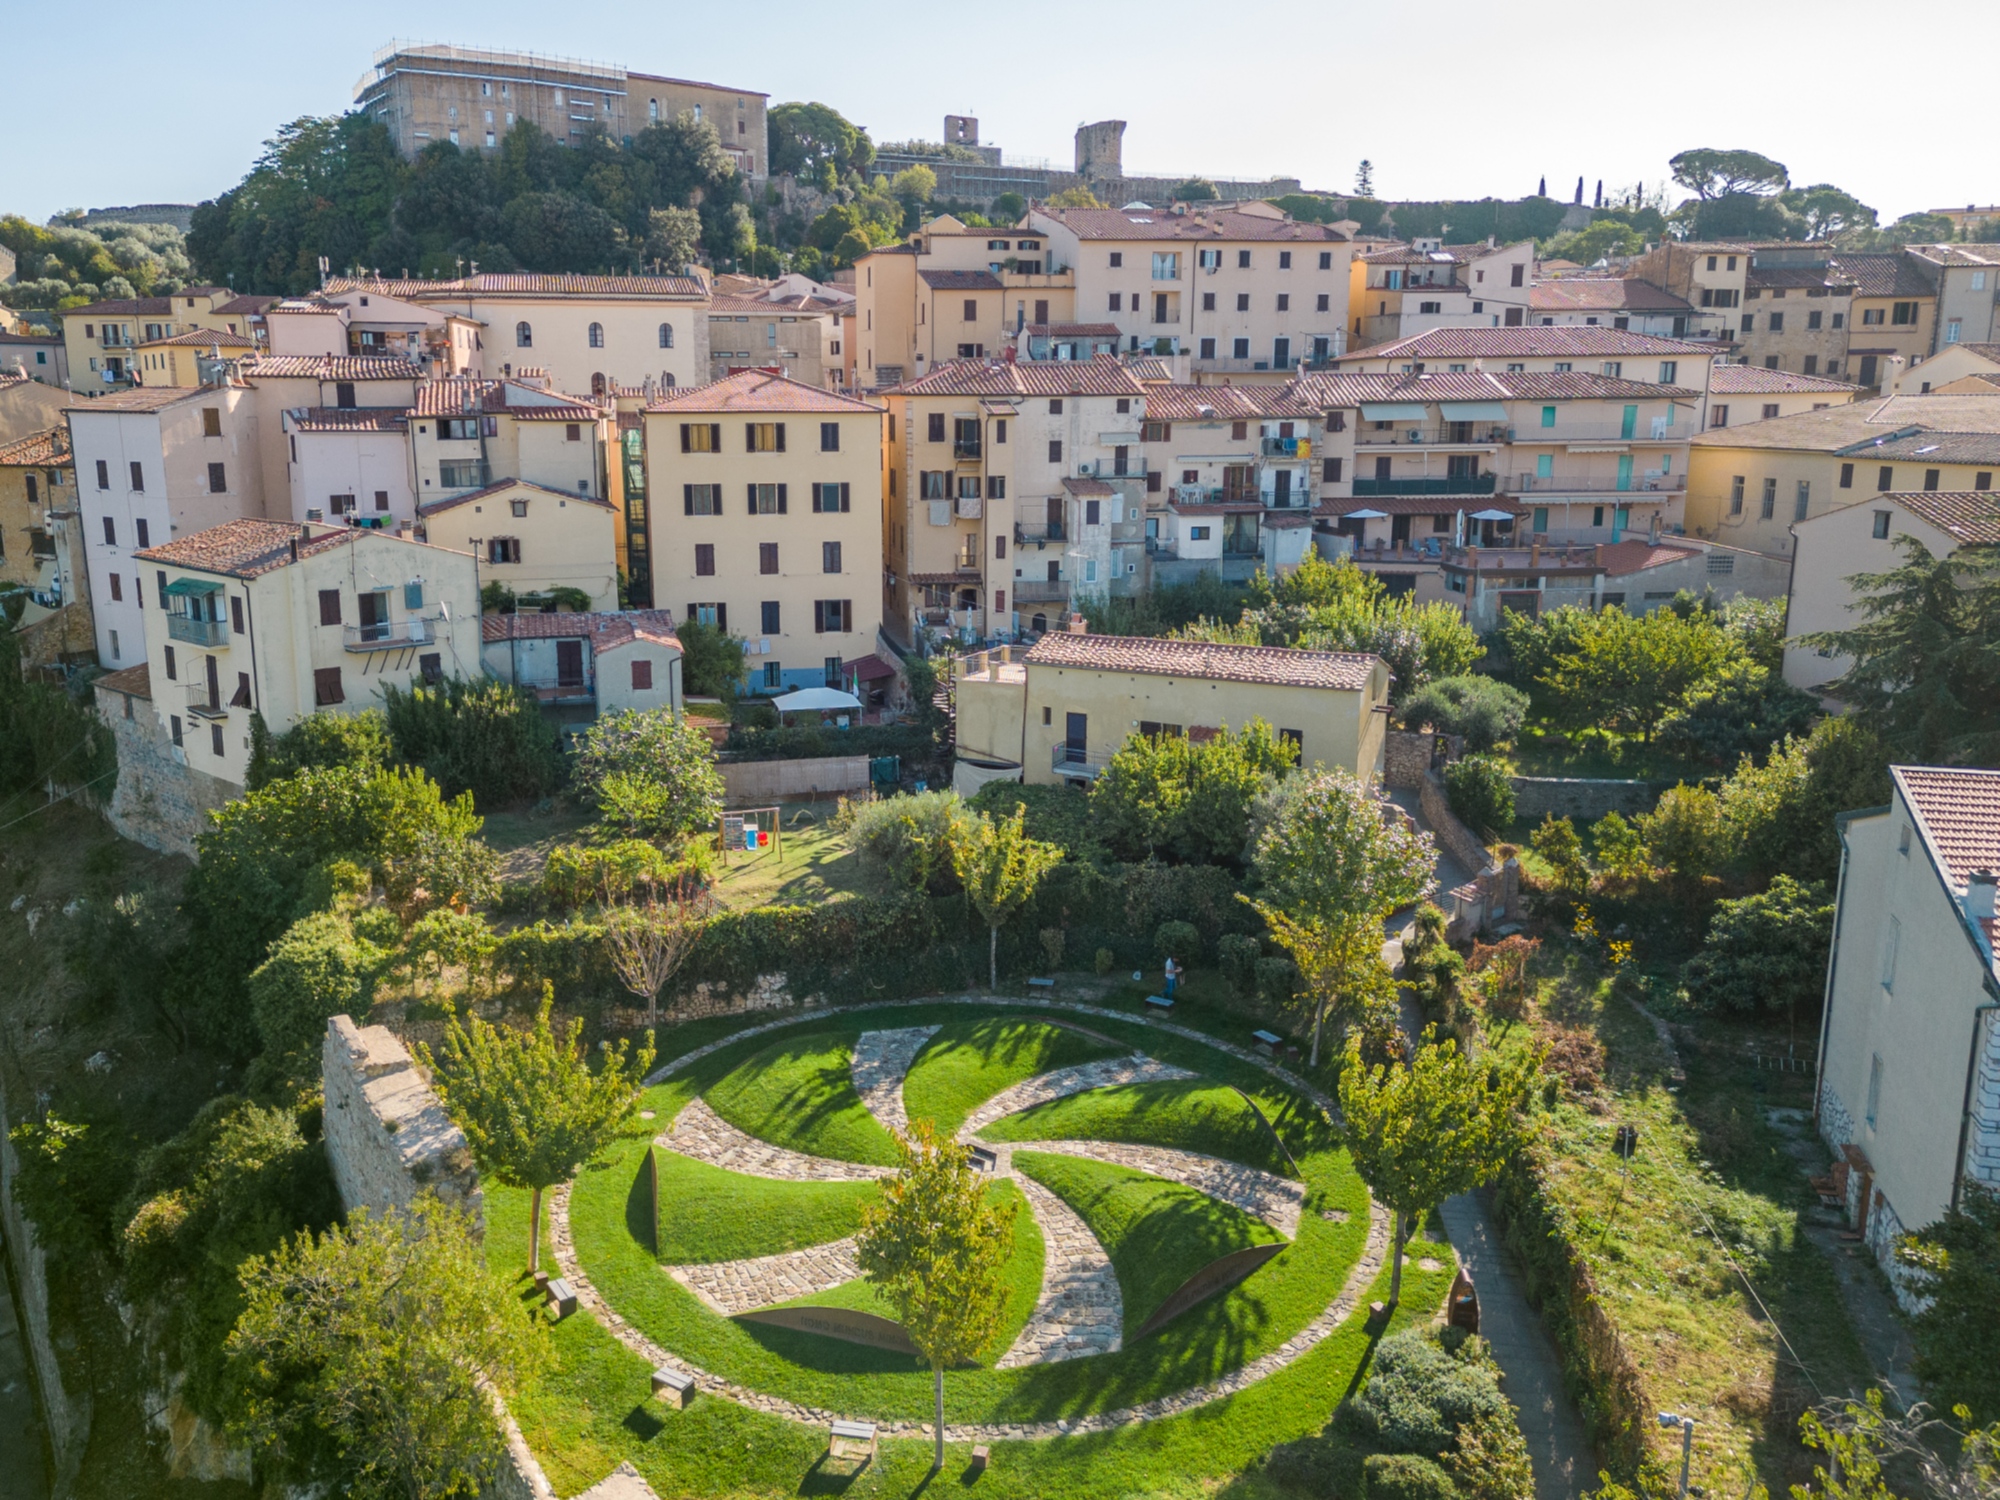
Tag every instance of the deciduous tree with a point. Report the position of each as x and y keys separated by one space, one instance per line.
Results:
x=1000 y=866
x=649 y=941
x=652 y=774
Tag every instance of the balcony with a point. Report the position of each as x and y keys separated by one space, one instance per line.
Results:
x=1450 y=435
x=1105 y=468
x=1039 y=533
x=966 y=451
x=1225 y=366
x=1597 y=484
x=202 y=706
x=1077 y=760
x=197 y=632
x=463 y=475
x=1449 y=484
x=392 y=635
x=1041 y=590
x=1283 y=447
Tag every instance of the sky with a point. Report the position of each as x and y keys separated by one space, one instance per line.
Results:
x=1447 y=99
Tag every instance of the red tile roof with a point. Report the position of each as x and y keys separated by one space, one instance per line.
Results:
x=1203 y=661
x=490 y=284
x=758 y=391
x=1892 y=275
x=1073 y=330
x=1324 y=390
x=961 y=281
x=347 y=419
x=1169 y=402
x=332 y=367
x=137 y=398
x=1972 y=517
x=1219 y=225
x=1419 y=505
x=1535 y=342
x=249 y=306
x=124 y=307
x=1100 y=375
x=1604 y=294
x=202 y=338
x=135 y=682
x=38 y=450
x=604 y=628
x=1755 y=380
x=508 y=487
x=1959 y=814
x=1636 y=555
x=30 y=338
x=737 y=302
x=246 y=548
x=458 y=395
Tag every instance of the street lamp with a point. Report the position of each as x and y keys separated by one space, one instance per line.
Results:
x=1686 y=1425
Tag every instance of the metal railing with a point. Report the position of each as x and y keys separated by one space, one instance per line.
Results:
x=1482 y=434
x=197 y=632
x=1105 y=468
x=390 y=635
x=1040 y=590
x=1466 y=484
x=1216 y=363
x=1283 y=447
x=1066 y=759
x=964 y=451
x=1604 y=484
x=202 y=706
x=1043 y=532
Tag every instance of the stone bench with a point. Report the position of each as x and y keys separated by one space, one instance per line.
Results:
x=984 y=1159
x=851 y=1440
x=1268 y=1042
x=672 y=1387
x=562 y=1298
x=1042 y=984
x=1159 y=1002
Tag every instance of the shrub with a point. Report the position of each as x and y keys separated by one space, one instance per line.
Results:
x=1418 y=1395
x=1743 y=710
x=1955 y=1262
x=1277 y=980
x=1491 y=1460
x=1557 y=844
x=1481 y=792
x=1323 y=1467
x=1620 y=849
x=1180 y=941
x=1238 y=954
x=914 y=744
x=1482 y=711
x=317 y=969
x=1764 y=952
x=912 y=838
x=711 y=659
x=579 y=873
x=1052 y=946
x=1190 y=800
x=1404 y=1476
x=651 y=774
x=1781 y=814
x=1684 y=833
x=318 y=741
x=1103 y=961
x=487 y=738
x=1576 y=1057
x=70 y=1176
x=1059 y=815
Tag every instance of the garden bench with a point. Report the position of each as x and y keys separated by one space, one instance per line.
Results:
x=1042 y=984
x=672 y=1387
x=562 y=1298
x=1160 y=1003
x=1268 y=1042
x=984 y=1159
x=851 y=1440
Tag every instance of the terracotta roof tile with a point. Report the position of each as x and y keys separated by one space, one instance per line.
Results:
x=124 y=307
x=38 y=450
x=1970 y=516
x=1959 y=813
x=730 y=303
x=347 y=419
x=1335 y=388
x=1534 y=342
x=1755 y=380
x=203 y=338
x=332 y=367
x=136 y=398
x=248 y=306
x=758 y=391
x=605 y=629
x=1100 y=375
x=961 y=281
x=1885 y=276
x=492 y=284
x=1073 y=330
x=508 y=487
x=1169 y=402
x=1217 y=225
x=1603 y=294
x=30 y=338
x=248 y=547
x=1860 y=426
x=459 y=395
x=1202 y=660
x=136 y=682
x=1934 y=447
x=1635 y=556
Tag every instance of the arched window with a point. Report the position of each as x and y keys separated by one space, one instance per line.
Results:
x=524 y=336
x=597 y=380
x=597 y=335
x=666 y=335
x=666 y=377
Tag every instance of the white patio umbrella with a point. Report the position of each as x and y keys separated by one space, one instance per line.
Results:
x=1491 y=515
x=812 y=700
x=1366 y=515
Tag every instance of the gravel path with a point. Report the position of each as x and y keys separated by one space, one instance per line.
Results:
x=881 y=1060
x=1062 y=1082
x=699 y=1132
x=1080 y=1310
x=1260 y=1194
x=733 y=1286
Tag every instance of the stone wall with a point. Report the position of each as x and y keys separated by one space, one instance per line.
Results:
x=1453 y=836
x=1581 y=799
x=65 y=1414
x=753 y=783
x=159 y=799
x=68 y=632
x=1406 y=755
x=388 y=1137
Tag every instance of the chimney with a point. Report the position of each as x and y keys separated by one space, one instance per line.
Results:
x=1078 y=625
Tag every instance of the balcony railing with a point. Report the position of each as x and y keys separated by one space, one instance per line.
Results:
x=392 y=635
x=1283 y=447
x=201 y=706
x=197 y=632
x=1597 y=484
x=1077 y=760
x=1225 y=365
x=1451 y=434
x=966 y=451
x=1039 y=532
x=1105 y=468
x=1041 y=590
x=463 y=476
x=1450 y=484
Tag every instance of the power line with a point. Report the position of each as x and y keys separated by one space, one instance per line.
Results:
x=54 y=800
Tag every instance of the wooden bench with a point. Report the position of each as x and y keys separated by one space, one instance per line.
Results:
x=851 y=1440
x=1268 y=1042
x=673 y=1387
x=1042 y=984
x=1159 y=1002
x=562 y=1298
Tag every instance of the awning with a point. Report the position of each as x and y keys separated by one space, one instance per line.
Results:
x=1365 y=515
x=182 y=587
x=868 y=668
x=1490 y=515
x=1473 y=411
x=808 y=700
x=1391 y=411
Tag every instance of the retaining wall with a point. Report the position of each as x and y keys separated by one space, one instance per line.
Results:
x=1457 y=840
x=159 y=800
x=749 y=783
x=1406 y=756
x=388 y=1137
x=1582 y=799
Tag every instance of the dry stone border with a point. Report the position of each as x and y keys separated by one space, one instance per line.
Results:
x=1062 y=1082
x=734 y=1286
x=1080 y=1310
x=881 y=1060
x=702 y=1134
x=1258 y=1193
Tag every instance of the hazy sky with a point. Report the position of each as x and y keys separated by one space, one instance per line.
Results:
x=146 y=103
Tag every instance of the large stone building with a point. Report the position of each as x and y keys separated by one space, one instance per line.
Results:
x=472 y=96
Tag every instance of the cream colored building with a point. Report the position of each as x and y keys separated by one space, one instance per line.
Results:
x=39 y=356
x=201 y=356
x=103 y=339
x=530 y=539
x=1949 y=372
x=1892 y=320
x=1060 y=710
x=37 y=476
x=282 y=620
x=467 y=434
x=1909 y=1074
x=1623 y=302
x=795 y=335
x=610 y=662
x=1243 y=289
x=1967 y=278
x=1740 y=393
x=1532 y=350
x=766 y=521
x=1749 y=485
x=1401 y=290
x=1861 y=538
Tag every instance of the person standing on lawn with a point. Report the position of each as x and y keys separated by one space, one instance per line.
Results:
x=1173 y=976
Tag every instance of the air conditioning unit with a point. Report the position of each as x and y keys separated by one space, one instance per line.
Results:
x=418 y=632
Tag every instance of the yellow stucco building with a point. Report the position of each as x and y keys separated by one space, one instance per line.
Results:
x=531 y=539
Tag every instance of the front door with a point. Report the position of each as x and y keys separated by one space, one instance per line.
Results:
x=569 y=664
x=1076 y=735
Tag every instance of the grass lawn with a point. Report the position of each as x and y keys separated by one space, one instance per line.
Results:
x=1710 y=1190
x=1157 y=1233
x=968 y=1062
x=799 y=1092
x=1188 y=1115
x=1600 y=755
x=1022 y=1277
x=817 y=864
x=707 y=1214
x=523 y=837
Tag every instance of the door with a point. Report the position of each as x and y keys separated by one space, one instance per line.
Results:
x=374 y=616
x=1624 y=471
x=1054 y=514
x=1076 y=735
x=1118 y=459
x=1462 y=467
x=1629 y=424
x=1867 y=369
x=1382 y=468
x=1621 y=521
x=569 y=664
x=214 y=688
x=1041 y=311
x=1281 y=488
x=1281 y=354
x=1399 y=531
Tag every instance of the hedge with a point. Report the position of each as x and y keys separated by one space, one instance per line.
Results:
x=811 y=742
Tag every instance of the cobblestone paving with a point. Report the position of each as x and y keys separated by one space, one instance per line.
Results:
x=1262 y=1195
x=881 y=1059
x=704 y=1135
x=734 y=1286
x=1063 y=1082
x=1080 y=1310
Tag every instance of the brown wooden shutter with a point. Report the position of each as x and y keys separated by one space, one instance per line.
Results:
x=749 y=437
x=753 y=499
x=843 y=497
x=687 y=497
x=687 y=441
x=329 y=608
x=819 y=617
x=781 y=488
x=781 y=436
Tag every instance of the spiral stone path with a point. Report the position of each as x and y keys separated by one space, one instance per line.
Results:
x=702 y=1134
x=733 y=1286
x=881 y=1059
x=1080 y=1310
x=1260 y=1194
x=1062 y=1082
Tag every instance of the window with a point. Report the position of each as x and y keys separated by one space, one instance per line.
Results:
x=704 y=559
x=1613 y=367
x=1983 y=480
x=971 y=312
x=597 y=335
x=701 y=499
x=1875 y=1080
x=1847 y=476
x=326 y=687
x=701 y=437
x=524 y=336
x=1903 y=314
x=1810 y=364
x=103 y=475
x=1749 y=323
x=1422 y=307
x=1198 y=533
x=1718 y=416
x=774 y=676
x=1669 y=369
x=1930 y=479
x=1884 y=476
x=503 y=549
x=1813 y=319
x=1952 y=330
x=1166 y=265
x=829 y=557
x=1872 y=316
x=211 y=421
x=1243 y=302
x=218 y=480
x=1329 y=471
x=138 y=478
x=117 y=588
x=1055 y=450
x=767 y=557
x=1881 y=528
x=1117 y=301
x=1285 y=303
x=642 y=676
x=709 y=614
x=764 y=437
x=1055 y=406
x=573 y=432
x=110 y=532
x=114 y=657
x=1769 y=506
x=1124 y=406
x=666 y=335
x=833 y=616
x=1117 y=259
x=329 y=606
x=1892 y=939
x=769 y=614
x=830 y=499
x=1777 y=322
x=1802 y=501
x=999 y=430
x=1979 y=281
x=1324 y=303
x=1548 y=416
x=1208 y=345
x=1093 y=512
x=1770 y=410
x=1243 y=260
x=1239 y=349
x=1284 y=260
x=930 y=484
x=767 y=499
x=1736 y=495
x=829 y=437
x=934 y=427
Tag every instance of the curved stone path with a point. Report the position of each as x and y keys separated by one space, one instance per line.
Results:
x=1080 y=1310
x=733 y=1286
x=1260 y=1194
x=1062 y=1082
x=881 y=1059
x=702 y=1134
